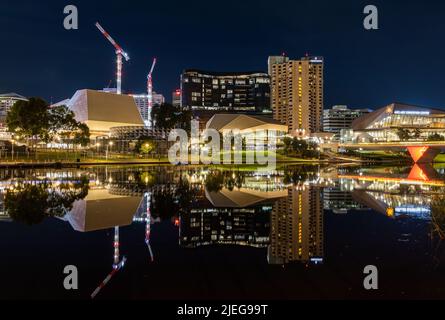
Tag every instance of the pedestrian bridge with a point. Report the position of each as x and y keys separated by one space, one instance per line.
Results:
x=421 y=152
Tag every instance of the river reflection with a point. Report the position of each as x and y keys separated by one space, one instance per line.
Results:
x=281 y=212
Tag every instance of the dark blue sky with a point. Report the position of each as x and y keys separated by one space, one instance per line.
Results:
x=403 y=61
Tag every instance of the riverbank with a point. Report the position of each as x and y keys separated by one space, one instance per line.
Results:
x=58 y=159
x=165 y=162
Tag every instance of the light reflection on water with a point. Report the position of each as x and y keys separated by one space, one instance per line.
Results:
x=282 y=212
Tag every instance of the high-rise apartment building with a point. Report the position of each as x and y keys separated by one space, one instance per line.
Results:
x=297 y=93
x=297 y=227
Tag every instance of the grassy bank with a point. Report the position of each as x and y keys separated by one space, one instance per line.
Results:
x=381 y=155
x=57 y=158
x=440 y=158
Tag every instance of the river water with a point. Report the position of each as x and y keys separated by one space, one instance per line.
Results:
x=300 y=232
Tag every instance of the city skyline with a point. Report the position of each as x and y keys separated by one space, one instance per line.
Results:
x=168 y=151
x=360 y=73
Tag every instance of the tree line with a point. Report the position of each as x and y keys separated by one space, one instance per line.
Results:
x=35 y=120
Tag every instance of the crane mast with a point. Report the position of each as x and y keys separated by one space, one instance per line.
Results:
x=150 y=87
x=150 y=84
x=120 y=53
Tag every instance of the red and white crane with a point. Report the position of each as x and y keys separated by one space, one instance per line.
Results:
x=119 y=53
x=150 y=85
x=118 y=264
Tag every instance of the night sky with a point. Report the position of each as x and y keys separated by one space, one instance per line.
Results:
x=403 y=61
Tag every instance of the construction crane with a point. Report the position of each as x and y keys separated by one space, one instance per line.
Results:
x=148 y=221
x=119 y=53
x=118 y=264
x=150 y=87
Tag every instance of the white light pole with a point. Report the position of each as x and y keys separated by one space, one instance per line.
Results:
x=97 y=148
x=12 y=144
x=110 y=144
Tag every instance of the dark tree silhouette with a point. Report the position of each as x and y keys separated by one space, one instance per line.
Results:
x=167 y=116
x=31 y=204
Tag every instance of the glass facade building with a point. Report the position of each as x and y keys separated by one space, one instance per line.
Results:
x=341 y=118
x=392 y=122
x=234 y=92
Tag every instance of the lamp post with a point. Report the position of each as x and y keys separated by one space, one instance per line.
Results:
x=12 y=145
x=146 y=147
x=97 y=148
x=110 y=144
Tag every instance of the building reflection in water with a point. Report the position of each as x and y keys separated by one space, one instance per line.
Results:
x=102 y=210
x=282 y=212
x=297 y=228
x=287 y=220
x=340 y=201
x=230 y=217
x=225 y=226
x=394 y=196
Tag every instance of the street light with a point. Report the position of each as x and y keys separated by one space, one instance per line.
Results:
x=110 y=144
x=97 y=148
x=12 y=144
x=146 y=147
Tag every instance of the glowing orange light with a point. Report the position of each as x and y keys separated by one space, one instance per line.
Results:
x=417 y=152
x=417 y=174
x=390 y=212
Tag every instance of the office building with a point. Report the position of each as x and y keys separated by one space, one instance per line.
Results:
x=6 y=102
x=297 y=93
x=341 y=118
x=231 y=92
x=142 y=103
